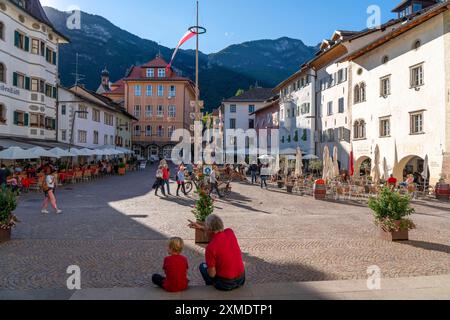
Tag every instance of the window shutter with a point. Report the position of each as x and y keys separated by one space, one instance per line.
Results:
x=54 y=124
x=54 y=92
x=16 y=118
x=54 y=58
x=16 y=38
x=27 y=83
x=25 y=119
x=47 y=52
x=27 y=44
x=15 y=80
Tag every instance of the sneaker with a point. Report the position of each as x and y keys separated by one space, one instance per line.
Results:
x=44 y=211
x=58 y=211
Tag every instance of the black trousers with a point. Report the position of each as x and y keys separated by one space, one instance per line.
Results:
x=160 y=184
x=158 y=280
x=182 y=187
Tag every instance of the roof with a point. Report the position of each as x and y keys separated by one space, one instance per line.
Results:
x=270 y=104
x=158 y=62
x=253 y=95
x=34 y=9
x=413 y=21
x=404 y=3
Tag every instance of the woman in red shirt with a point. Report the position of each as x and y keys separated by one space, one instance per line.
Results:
x=224 y=268
x=175 y=267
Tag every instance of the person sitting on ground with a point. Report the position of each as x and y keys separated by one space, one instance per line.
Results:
x=175 y=267
x=224 y=268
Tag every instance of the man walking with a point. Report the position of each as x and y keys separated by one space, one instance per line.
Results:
x=214 y=183
x=254 y=173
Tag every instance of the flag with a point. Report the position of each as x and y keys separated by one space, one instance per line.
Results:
x=352 y=164
x=188 y=35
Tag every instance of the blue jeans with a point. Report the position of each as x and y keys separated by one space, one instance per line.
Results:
x=263 y=181
x=254 y=176
x=167 y=183
x=219 y=283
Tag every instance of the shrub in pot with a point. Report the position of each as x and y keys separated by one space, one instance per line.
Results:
x=391 y=212
x=122 y=169
x=204 y=207
x=8 y=203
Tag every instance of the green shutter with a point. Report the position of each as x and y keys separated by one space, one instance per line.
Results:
x=54 y=124
x=55 y=93
x=47 y=54
x=25 y=119
x=15 y=81
x=54 y=58
x=27 y=83
x=27 y=44
x=16 y=118
x=16 y=38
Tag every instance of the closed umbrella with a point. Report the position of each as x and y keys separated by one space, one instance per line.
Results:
x=277 y=164
x=326 y=157
x=299 y=163
x=386 y=170
x=16 y=153
x=42 y=153
x=425 y=170
x=335 y=162
x=376 y=174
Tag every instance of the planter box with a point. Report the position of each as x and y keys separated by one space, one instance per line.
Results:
x=290 y=189
x=394 y=236
x=201 y=236
x=5 y=235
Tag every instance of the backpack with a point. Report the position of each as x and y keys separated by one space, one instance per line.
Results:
x=44 y=186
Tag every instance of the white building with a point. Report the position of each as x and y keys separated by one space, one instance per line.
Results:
x=28 y=71
x=93 y=119
x=404 y=106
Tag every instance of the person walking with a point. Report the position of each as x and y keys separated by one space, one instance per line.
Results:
x=159 y=181
x=264 y=176
x=49 y=186
x=181 y=181
x=166 y=178
x=214 y=183
x=254 y=173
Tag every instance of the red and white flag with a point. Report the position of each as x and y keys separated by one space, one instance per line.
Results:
x=185 y=38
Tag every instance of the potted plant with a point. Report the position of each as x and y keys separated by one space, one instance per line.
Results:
x=204 y=207
x=122 y=169
x=8 y=203
x=289 y=185
x=391 y=212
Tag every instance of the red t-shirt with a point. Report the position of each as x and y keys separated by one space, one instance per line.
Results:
x=224 y=254
x=392 y=181
x=166 y=174
x=176 y=268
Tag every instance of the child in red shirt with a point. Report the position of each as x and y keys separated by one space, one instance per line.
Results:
x=175 y=268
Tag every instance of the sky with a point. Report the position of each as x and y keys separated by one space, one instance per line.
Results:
x=232 y=21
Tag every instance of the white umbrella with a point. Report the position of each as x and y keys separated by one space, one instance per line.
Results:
x=386 y=170
x=425 y=169
x=87 y=152
x=42 y=153
x=266 y=157
x=58 y=152
x=277 y=164
x=335 y=162
x=99 y=152
x=376 y=174
x=16 y=153
x=310 y=157
x=298 y=163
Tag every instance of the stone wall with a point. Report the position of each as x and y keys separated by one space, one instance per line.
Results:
x=446 y=159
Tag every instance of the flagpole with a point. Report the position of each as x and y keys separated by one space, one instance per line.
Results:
x=197 y=109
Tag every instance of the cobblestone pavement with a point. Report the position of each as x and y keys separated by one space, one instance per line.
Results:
x=116 y=230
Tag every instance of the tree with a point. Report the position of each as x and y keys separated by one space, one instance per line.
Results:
x=240 y=92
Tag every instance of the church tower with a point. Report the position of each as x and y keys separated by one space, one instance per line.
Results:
x=105 y=86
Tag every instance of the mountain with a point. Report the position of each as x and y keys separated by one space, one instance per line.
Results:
x=100 y=44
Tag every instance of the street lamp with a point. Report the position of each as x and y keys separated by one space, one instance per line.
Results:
x=73 y=126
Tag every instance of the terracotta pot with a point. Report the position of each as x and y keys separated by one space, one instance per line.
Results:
x=5 y=235
x=402 y=235
x=201 y=236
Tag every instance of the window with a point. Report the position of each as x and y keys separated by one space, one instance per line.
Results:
x=2 y=73
x=137 y=131
x=330 y=108
x=63 y=135
x=21 y=41
x=232 y=123
x=137 y=111
x=160 y=90
x=417 y=76
x=19 y=80
x=251 y=124
x=35 y=46
x=95 y=137
x=385 y=60
x=170 y=131
x=251 y=108
x=172 y=111
x=148 y=131
x=359 y=129
x=105 y=139
x=417 y=45
x=385 y=127
x=34 y=85
x=360 y=93
x=95 y=115
x=233 y=108
x=37 y=120
x=2 y=31
x=385 y=86
x=20 y=118
x=109 y=119
x=82 y=136
x=137 y=91
x=83 y=112
x=160 y=111
x=50 y=56
x=161 y=73
x=341 y=105
x=111 y=140
x=417 y=123
x=149 y=90
x=149 y=111
x=63 y=110
x=160 y=131
x=172 y=91
x=150 y=73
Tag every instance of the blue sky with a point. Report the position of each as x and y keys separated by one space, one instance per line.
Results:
x=232 y=21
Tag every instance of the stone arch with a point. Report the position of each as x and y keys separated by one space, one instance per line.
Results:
x=399 y=169
x=358 y=164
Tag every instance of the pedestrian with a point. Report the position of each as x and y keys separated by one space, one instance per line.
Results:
x=264 y=176
x=181 y=181
x=4 y=174
x=166 y=178
x=175 y=268
x=48 y=187
x=214 y=183
x=159 y=181
x=224 y=268
x=254 y=172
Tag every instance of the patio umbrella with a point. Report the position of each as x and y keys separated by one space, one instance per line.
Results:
x=310 y=157
x=42 y=153
x=425 y=170
x=326 y=157
x=376 y=174
x=16 y=153
x=385 y=169
x=277 y=164
x=298 y=163
x=286 y=167
x=335 y=162
x=58 y=152
x=87 y=152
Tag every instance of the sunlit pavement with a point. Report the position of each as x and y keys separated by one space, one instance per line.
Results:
x=116 y=230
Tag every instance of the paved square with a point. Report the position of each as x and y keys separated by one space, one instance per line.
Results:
x=116 y=230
